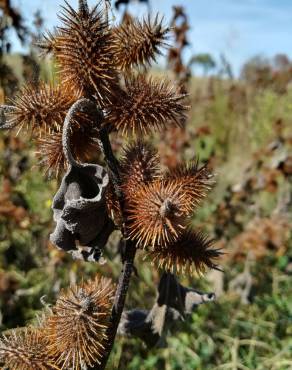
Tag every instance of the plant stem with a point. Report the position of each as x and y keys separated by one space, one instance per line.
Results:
x=112 y=164
x=120 y=297
x=128 y=265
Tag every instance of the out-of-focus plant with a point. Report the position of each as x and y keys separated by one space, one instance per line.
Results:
x=261 y=72
x=11 y=18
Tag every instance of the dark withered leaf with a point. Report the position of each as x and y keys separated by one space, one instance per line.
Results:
x=173 y=302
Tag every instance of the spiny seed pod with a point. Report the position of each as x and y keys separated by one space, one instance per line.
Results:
x=42 y=107
x=83 y=144
x=137 y=43
x=77 y=328
x=196 y=181
x=140 y=164
x=82 y=47
x=157 y=213
x=191 y=252
x=144 y=105
x=26 y=349
x=49 y=42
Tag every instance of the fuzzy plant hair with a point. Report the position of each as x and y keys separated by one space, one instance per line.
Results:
x=103 y=88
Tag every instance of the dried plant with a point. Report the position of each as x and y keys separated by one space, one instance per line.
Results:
x=41 y=108
x=83 y=143
x=181 y=26
x=26 y=349
x=7 y=206
x=158 y=212
x=98 y=94
x=191 y=252
x=146 y=104
x=260 y=236
x=90 y=66
x=140 y=164
x=137 y=43
x=77 y=327
x=152 y=326
x=196 y=181
x=118 y=3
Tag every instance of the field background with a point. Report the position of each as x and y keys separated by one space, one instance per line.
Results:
x=243 y=128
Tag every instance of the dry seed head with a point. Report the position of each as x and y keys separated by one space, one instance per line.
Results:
x=157 y=213
x=191 y=252
x=48 y=43
x=196 y=181
x=83 y=143
x=137 y=43
x=77 y=328
x=146 y=104
x=82 y=47
x=140 y=164
x=42 y=107
x=25 y=349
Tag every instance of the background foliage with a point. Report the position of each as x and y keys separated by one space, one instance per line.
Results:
x=243 y=128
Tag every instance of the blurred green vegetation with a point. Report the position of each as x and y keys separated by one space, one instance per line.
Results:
x=244 y=133
x=243 y=129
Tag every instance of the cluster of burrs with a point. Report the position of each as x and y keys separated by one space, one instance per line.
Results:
x=69 y=335
x=103 y=89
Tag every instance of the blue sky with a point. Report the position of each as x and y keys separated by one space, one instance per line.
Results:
x=238 y=28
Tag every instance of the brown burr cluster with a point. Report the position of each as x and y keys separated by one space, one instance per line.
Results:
x=103 y=89
x=25 y=349
x=159 y=208
x=69 y=336
x=94 y=59
x=78 y=325
x=138 y=43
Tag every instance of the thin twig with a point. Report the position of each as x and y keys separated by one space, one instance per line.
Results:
x=120 y=298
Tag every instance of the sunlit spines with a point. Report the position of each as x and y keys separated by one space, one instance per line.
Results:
x=140 y=164
x=82 y=47
x=157 y=213
x=196 y=180
x=138 y=43
x=77 y=328
x=42 y=108
x=146 y=104
x=191 y=252
x=48 y=43
x=26 y=349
